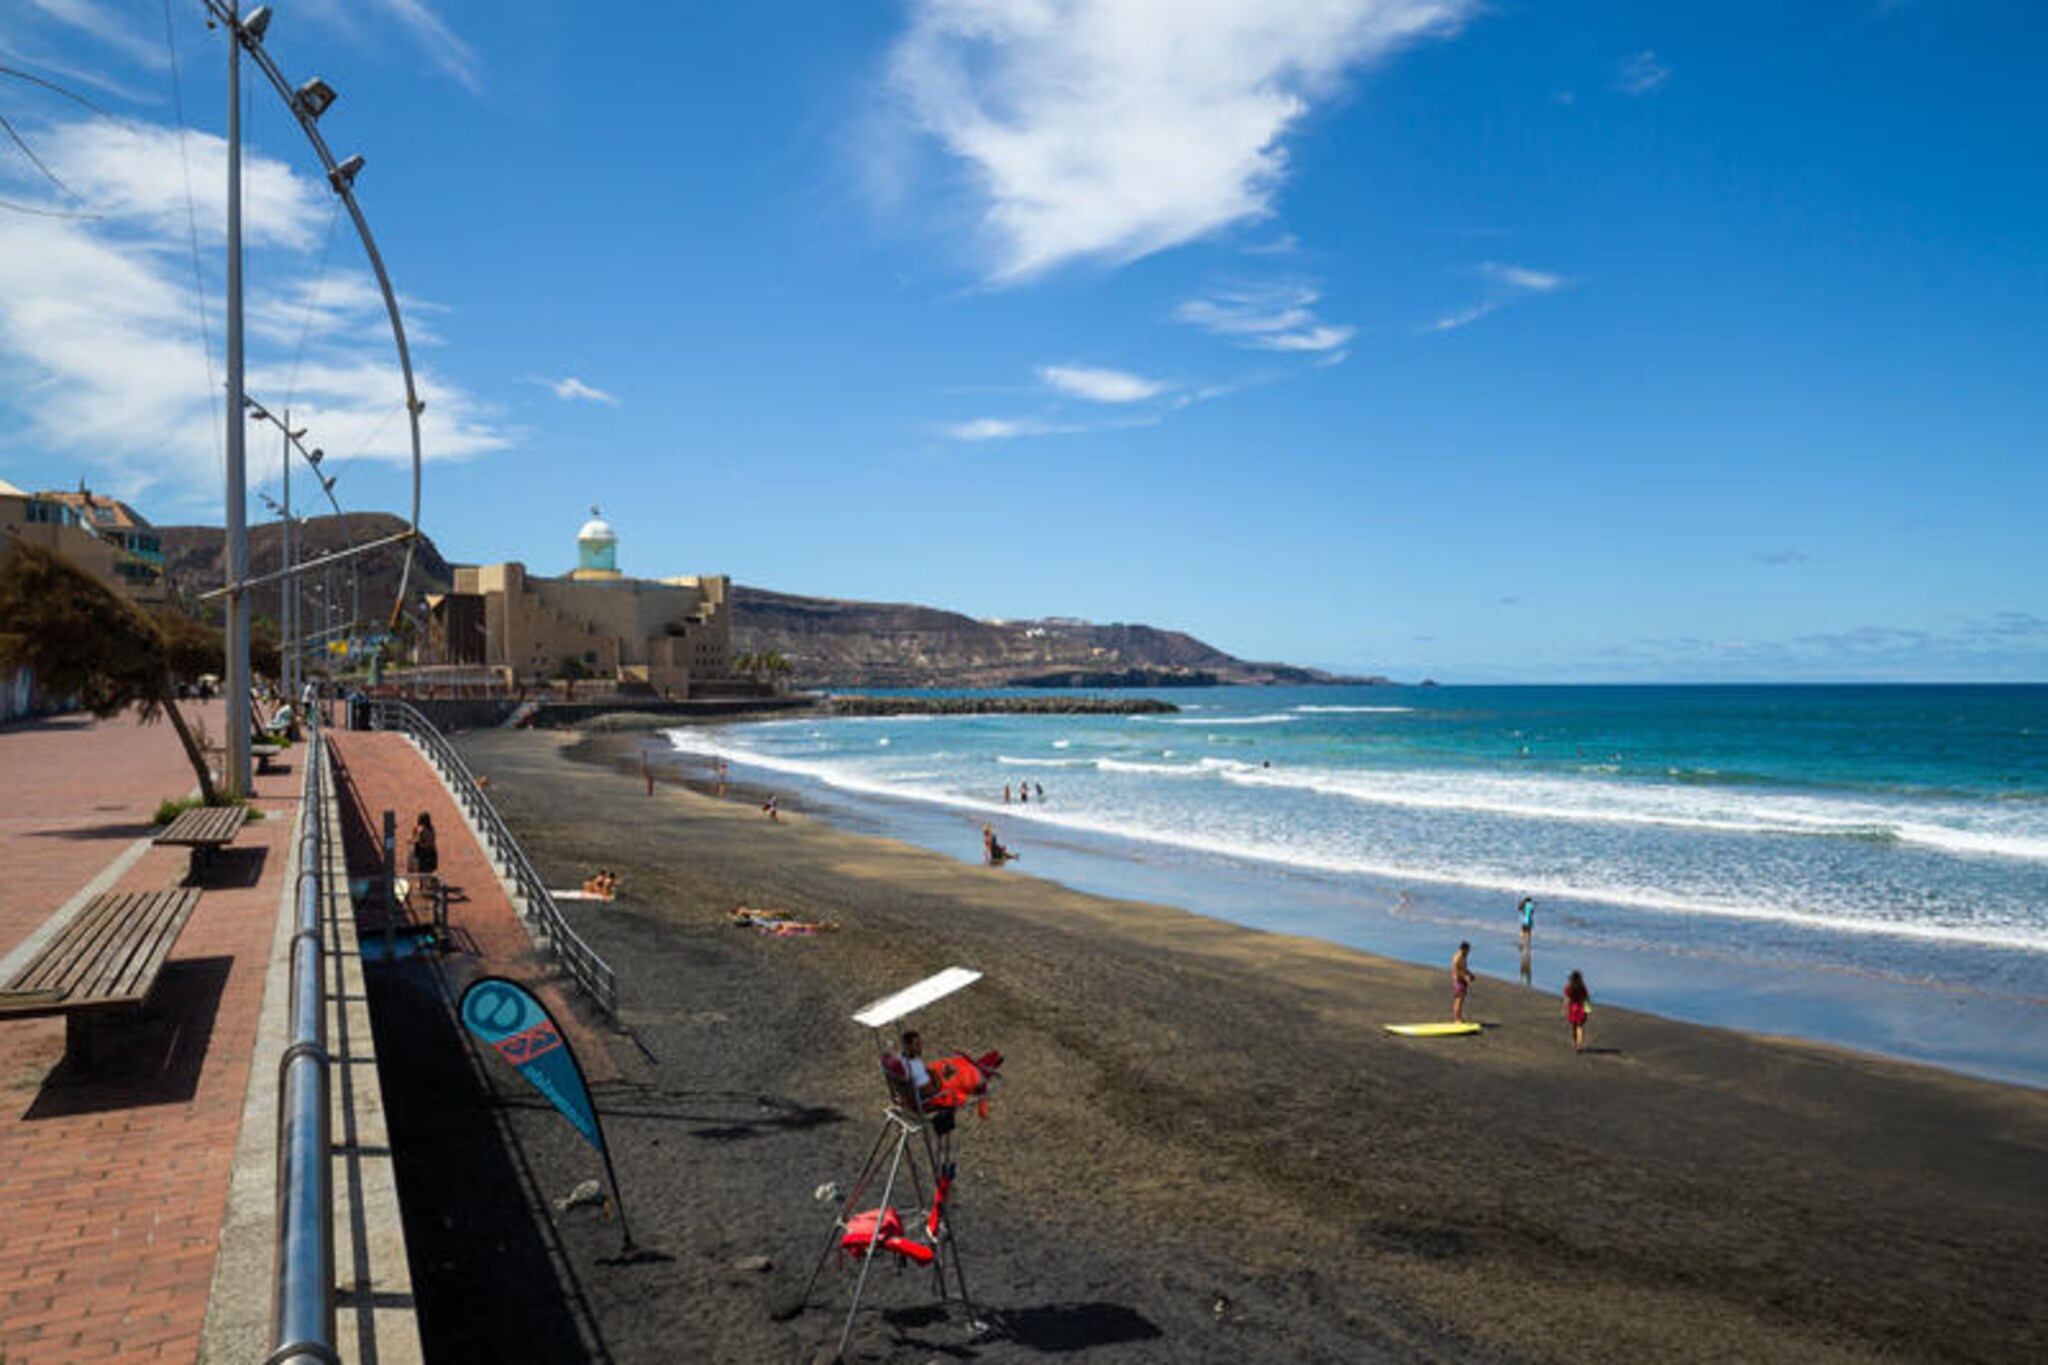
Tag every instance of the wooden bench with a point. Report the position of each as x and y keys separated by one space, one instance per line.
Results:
x=107 y=958
x=205 y=830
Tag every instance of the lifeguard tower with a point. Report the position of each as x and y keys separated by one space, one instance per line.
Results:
x=912 y=1153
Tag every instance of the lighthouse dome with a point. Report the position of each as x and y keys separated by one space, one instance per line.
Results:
x=597 y=548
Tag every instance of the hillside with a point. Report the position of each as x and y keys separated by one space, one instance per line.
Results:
x=871 y=644
x=192 y=561
x=831 y=643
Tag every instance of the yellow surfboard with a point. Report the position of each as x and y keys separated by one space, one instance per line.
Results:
x=1431 y=1030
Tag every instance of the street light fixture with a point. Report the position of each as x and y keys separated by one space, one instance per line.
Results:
x=313 y=99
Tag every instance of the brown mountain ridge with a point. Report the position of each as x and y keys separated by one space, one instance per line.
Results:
x=829 y=642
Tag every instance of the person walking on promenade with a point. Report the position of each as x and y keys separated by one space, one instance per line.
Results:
x=1461 y=981
x=425 y=855
x=1578 y=1008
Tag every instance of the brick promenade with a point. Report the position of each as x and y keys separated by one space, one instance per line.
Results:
x=114 y=1183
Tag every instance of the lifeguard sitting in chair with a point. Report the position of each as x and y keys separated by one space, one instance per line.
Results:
x=944 y=1085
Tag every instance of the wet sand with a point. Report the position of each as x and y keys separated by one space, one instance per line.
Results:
x=1207 y=1147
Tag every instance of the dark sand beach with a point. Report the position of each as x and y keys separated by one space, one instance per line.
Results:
x=1207 y=1147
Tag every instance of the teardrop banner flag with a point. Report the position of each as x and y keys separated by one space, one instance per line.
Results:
x=519 y=1029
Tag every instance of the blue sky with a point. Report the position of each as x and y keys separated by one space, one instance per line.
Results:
x=1601 y=342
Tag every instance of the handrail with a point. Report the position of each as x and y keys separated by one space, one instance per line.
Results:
x=302 y=1309
x=581 y=962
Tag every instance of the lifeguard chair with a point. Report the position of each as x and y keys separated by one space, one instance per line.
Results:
x=915 y=1140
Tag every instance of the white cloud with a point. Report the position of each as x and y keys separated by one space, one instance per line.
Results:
x=101 y=357
x=992 y=429
x=1266 y=317
x=1101 y=386
x=1510 y=282
x=1112 y=129
x=1523 y=279
x=570 y=389
x=1464 y=317
x=1641 y=73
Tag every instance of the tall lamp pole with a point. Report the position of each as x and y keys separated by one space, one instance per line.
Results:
x=235 y=780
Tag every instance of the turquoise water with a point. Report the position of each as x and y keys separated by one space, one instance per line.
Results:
x=1866 y=865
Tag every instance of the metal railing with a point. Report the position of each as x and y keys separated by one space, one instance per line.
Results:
x=302 y=1309
x=577 y=958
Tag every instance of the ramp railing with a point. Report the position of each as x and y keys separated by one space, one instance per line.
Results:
x=536 y=905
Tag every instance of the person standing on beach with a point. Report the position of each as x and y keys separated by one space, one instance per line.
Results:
x=769 y=807
x=1528 y=911
x=1461 y=981
x=1578 y=1008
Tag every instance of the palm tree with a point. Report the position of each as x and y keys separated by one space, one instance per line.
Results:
x=81 y=639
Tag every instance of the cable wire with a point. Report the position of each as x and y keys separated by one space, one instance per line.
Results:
x=192 y=231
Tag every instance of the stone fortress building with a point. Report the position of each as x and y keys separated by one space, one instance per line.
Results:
x=672 y=636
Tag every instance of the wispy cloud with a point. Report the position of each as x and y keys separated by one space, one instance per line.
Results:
x=101 y=352
x=1641 y=73
x=983 y=429
x=2003 y=646
x=570 y=389
x=1101 y=386
x=1112 y=129
x=448 y=51
x=117 y=30
x=1507 y=283
x=1266 y=317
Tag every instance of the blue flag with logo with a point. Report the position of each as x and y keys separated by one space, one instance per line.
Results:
x=519 y=1029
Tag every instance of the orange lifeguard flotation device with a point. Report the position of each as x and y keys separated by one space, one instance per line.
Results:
x=882 y=1229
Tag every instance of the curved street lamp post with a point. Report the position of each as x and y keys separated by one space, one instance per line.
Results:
x=307 y=103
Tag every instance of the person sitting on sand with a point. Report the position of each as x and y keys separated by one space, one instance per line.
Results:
x=992 y=850
x=1578 y=1008
x=604 y=884
x=1461 y=981
x=770 y=809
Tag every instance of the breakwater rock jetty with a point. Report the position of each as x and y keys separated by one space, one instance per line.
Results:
x=997 y=706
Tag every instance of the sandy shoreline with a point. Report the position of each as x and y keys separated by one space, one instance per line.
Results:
x=1209 y=1149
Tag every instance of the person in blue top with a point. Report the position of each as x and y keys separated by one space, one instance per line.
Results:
x=1528 y=920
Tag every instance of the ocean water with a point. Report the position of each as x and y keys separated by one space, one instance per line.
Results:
x=1862 y=865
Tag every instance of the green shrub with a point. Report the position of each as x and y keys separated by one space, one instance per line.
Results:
x=170 y=809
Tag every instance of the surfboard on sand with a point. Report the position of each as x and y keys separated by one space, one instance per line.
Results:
x=1445 y=1030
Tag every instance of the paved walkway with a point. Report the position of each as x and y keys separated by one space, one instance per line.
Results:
x=385 y=771
x=114 y=1183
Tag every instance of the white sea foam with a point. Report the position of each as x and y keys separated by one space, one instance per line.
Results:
x=1355 y=710
x=1714 y=809
x=1223 y=832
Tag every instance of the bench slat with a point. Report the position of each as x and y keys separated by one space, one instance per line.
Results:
x=123 y=957
x=108 y=956
x=204 y=825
